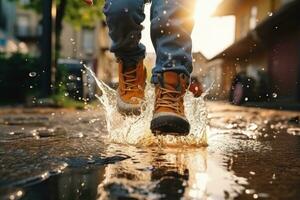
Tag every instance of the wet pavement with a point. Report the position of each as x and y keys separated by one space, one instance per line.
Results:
x=65 y=154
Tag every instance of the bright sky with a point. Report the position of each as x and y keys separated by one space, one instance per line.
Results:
x=211 y=34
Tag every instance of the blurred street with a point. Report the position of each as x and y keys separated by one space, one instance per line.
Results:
x=65 y=154
x=58 y=64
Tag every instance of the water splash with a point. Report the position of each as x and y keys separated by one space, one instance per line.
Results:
x=135 y=130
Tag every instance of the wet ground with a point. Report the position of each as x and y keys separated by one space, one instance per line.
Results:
x=65 y=154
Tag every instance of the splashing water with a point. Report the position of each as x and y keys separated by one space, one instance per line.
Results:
x=135 y=130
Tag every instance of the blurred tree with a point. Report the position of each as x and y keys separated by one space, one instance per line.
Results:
x=76 y=13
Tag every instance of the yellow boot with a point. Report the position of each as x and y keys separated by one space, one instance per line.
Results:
x=168 y=116
x=131 y=88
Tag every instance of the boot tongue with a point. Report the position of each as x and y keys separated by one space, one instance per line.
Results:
x=127 y=69
x=170 y=80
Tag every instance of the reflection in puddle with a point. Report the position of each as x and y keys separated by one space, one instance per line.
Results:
x=98 y=169
x=168 y=173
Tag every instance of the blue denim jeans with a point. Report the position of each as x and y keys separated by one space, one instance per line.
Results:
x=171 y=27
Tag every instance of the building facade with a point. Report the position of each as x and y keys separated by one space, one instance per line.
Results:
x=267 y=40
x=19 y=29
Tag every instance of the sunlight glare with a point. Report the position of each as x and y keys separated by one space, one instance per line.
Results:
x=204 y=9
x=210 y=35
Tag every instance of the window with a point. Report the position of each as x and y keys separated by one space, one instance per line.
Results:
x=88 y=40
x=286 y=1
x=253 y=17
x=23 y=25
x=243 y=26
x=24 y=2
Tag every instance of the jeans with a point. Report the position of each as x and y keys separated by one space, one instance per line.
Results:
x=171 y=27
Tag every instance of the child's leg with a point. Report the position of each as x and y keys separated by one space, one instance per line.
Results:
x=171 y=27
x=124 y=18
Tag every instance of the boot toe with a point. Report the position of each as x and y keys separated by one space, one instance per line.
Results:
x=169 y=124
x=128 y=108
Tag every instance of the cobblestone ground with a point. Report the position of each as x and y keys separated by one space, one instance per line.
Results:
x=65 y=154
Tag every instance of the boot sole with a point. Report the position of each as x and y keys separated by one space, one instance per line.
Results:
x=126 y=108
x=169 y=124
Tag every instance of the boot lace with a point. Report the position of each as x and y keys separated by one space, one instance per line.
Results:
x=130 y=79
x=169 y=98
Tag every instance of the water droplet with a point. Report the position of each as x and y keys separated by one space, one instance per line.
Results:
x=32 y=74
x=19 y=193
x=71 y=77
x=249 y=191
x=274 y=95
x=165 y=12
x=252 y=173
x=126 y=10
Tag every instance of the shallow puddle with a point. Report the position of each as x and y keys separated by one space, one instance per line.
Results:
x=251 y=153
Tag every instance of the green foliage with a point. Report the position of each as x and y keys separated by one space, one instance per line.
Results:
x=60 y=90
x=80 y=15
x=77 y=13
x=15 y=82
x=60 y=100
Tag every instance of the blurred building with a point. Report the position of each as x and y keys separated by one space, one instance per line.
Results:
x=199 y=62
x=80 y=43
x=92 y=46
x=19 y=29
x=267 y=40
x=107 y=67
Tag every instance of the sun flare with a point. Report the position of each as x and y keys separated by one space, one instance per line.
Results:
x=204 y=9
x=210 y=35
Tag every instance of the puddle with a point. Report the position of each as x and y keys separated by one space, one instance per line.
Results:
x=252 y=153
